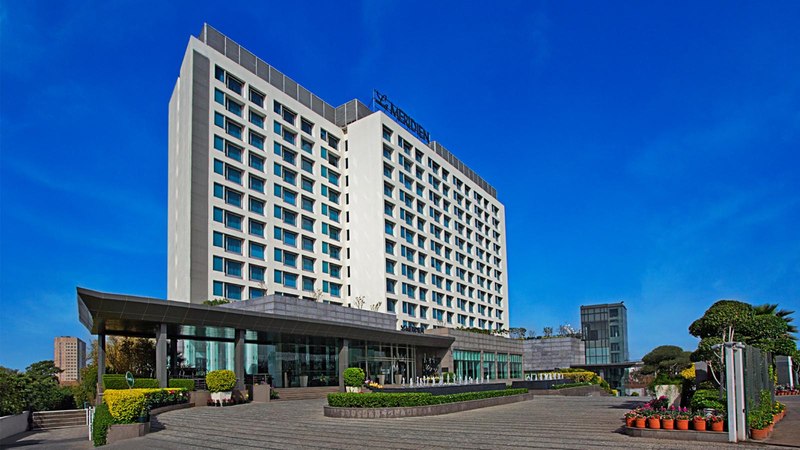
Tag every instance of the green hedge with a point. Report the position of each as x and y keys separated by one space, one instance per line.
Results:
x=102 y=420
x=181 y=383
x=570 y=385
x=387 y=400
x=116 y=381
x=708 y=398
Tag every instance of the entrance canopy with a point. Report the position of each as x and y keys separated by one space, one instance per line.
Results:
x=124 y=315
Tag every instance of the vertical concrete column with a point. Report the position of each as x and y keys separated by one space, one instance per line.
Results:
x=480 y=370
x=173 y=357
x=344 y=361
x=238 y=360
x=497 y=374
x=101 y=367
x=161 y=355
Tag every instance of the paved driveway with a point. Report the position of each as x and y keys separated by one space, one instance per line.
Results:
x=546 y=422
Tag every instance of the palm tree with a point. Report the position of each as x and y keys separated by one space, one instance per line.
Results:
x=772 y=309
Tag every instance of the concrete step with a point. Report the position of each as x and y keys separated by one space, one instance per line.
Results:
x=58 y=419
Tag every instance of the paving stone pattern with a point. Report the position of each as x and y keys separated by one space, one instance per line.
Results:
x=545 y=422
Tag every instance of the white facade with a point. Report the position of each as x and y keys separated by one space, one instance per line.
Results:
x=273 y=191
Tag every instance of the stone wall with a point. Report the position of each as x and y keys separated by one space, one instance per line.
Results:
x=552 y=353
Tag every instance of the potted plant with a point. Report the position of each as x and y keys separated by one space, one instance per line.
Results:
x=640 y=420
x=654 y=421
x=630 y=417
x=668 y=420
x=682 y=419
x=717 y=422
x=353 y=379
x=221 y=384
x=779 y=409
x=759 y=423
x=699 y=422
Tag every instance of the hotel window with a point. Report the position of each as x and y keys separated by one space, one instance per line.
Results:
x=233 y=268
x=307 y=184
x=256 y=250
x=256 y=162
x=336 y=290
x=257 y=273
x=387 y=133
x=307 y=146
x=287 y=114
x=256 y=140
x=307 y=126
x=257 y=206
x=307 y=244
x=387 y=152
x=389 y=228
x=256 y=228
x=289 y=259
x=233 y=245
x=307 y=204
x=307 y=165
x=390 y=247
x=257 y=98
x=307 y=223
x=308 y=284
x=233 y=291
x=256 y=183
x=233 y=221
x=308 y=264
x=233 y=84
x=391 y=305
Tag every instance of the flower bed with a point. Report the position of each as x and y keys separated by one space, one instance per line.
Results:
x=385 y=400
x=655 y=415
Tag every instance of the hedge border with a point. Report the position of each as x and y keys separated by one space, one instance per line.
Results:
x=420 y=411
x=411 y=399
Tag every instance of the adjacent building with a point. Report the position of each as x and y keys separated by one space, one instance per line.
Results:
x=605 y=334
x=69 y=355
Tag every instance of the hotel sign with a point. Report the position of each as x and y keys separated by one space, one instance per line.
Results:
x=401 y=116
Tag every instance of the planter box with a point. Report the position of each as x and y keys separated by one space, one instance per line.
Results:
x=221 y=396
x=260 y=393
x=11 y=425
x=120 y=432
x=689 y=435
x=163 y=409
x=199 y=398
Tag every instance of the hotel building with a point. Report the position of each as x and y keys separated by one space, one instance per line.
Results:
x=340 y=237
x=274 y=191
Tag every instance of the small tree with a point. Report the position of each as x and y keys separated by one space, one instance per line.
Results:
x=517 y=332
x=666 y=360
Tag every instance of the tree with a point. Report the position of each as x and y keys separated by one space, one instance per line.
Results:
x=548 y=332
x=666 y=359
x=129 y=354
x=764 y=327
x=12 y=392
x=517 y=332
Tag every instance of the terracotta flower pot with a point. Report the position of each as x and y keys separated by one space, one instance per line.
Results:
x=699 y=425
x=640 y=422
x=717 y=426
x=776 y=418
x=758 y=434
x=654 y=423
x=629 y=421
x=668 y=424
x=682 y=424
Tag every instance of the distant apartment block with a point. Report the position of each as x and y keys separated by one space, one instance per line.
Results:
x=605 y=333
x=69 y=355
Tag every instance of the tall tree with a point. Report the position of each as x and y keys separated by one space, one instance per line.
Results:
x=665 y=359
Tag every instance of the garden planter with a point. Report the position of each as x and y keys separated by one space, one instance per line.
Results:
x=776 y=418
x=629 y=421
x=758 y=434
x=303 y=381
x=682 y=424
x=668 y=424
x=381 y=379
x=398 y=379
x=717 y=426
x=640 y=422
x=221 y=396
x=654 y=423
x=699 y=425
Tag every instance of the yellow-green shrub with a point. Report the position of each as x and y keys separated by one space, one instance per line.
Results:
x=126 y=405
x=582 y=377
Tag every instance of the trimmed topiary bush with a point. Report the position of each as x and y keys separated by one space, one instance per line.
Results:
x=354 y=377
x=708 y=398
x=102 y=420
x=182 y=383
x=387 y=400
x=221 y=380
x=126 y=405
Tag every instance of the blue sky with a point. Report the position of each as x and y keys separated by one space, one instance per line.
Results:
x=646 y=152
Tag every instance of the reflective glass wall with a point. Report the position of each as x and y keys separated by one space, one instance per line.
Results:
x=391 y=363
